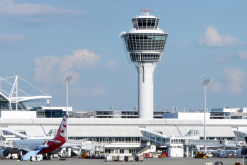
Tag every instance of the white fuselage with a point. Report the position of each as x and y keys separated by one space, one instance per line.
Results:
x=29 y=145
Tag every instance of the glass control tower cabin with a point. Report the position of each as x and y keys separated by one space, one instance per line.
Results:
x=145 y=44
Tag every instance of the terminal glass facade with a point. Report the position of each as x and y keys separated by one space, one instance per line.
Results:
x=109 y=140
x=49 y=113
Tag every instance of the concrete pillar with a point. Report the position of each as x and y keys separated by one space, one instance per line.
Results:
x=63 y=152
x=187 y=151
x=79 y=153
x=69 y=152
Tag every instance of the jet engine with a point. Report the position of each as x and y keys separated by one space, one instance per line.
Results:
x=244 y=152
x=4 y=153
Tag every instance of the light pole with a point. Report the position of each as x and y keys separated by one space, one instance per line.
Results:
x=0 y=84
x=205 y=83
x=67 y=101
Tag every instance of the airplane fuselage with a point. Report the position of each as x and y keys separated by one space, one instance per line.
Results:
x=32 y=144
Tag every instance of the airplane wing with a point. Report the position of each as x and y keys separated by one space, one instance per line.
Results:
x=73 y=144
x=66 y=145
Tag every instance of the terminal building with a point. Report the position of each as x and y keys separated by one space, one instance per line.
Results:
x=131 y=135
x=121 y=131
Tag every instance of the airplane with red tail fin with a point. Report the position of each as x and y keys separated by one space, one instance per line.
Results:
x=39 y=146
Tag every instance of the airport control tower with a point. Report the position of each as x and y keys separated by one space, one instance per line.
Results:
x=145 y=44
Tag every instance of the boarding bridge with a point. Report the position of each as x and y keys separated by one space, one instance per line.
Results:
x=189 y=140
x=240 y=135
x=212 y=143
x=164 y=140
x=8 y=134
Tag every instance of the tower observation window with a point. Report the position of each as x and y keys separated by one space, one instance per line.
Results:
x=141 y=57
x=145 y=23
x=145 y=41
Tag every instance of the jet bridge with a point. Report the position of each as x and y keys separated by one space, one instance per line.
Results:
x=14 y=134
x=169 y=141
x=163 y=140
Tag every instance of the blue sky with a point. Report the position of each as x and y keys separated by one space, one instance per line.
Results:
x=44 y=41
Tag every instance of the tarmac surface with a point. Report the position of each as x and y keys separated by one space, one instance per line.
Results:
x=147 y=161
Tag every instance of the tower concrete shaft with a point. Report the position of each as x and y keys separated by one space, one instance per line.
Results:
x=145 y=90
x=145 y=44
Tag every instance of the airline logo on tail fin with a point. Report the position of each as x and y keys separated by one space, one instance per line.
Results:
x=61 y=133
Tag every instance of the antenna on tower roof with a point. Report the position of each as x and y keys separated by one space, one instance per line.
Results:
x=145 y=10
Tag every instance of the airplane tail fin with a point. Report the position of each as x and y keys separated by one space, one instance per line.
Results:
x=61 y=133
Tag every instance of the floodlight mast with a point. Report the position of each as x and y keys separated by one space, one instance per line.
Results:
x=16 y=94
x=67 y=101
x=205 y=83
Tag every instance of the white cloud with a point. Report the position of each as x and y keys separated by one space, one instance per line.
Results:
x=212 y=38
x=9 y=8
x=214 y=86
x=112 y=64
x=11 y=38
x=98 y=90
x=52 y=69
x=242 y=54
x=237 y=79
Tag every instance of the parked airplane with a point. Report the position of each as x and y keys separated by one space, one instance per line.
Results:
x=39 y=146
